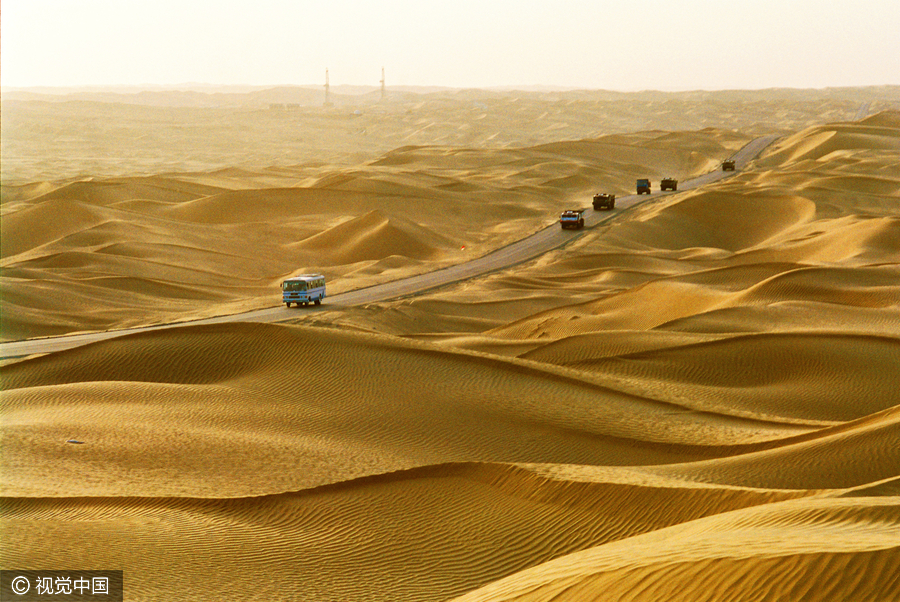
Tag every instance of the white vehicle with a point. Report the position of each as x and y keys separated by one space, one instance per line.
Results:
x=305 y=289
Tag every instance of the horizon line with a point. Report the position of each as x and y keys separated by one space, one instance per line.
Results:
x=191 y=86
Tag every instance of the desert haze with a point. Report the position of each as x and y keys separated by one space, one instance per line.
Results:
x=694 y=400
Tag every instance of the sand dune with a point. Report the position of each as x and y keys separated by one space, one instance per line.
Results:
x=777 y=551
x=279 y=396
x=225 y=424
x=375 y=236
x=221 y=242
x=696 y=400
x=427 y=533
x=728 y=218
x=49 y=137
x=47 y=223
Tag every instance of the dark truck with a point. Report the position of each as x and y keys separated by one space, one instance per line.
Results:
x=604 y=201
x=728 y=165
x=643 y=186
x=668 y=184
x=572 y=218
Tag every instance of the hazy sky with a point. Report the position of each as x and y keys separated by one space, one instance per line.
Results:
x=608 y=44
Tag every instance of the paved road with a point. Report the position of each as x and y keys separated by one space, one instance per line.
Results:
x=551 y=237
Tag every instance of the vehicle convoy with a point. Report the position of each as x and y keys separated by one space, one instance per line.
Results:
x=604 y=201
x=728 y=165
x=668 y=184
x=303 y=289
x=643 y=186
x=572 y=218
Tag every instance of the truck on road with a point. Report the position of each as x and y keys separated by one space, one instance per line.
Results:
x=572 y=218
x=643 y=186
x=668 y=184
x=604 y=201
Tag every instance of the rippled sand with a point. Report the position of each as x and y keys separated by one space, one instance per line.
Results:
x=697 y=400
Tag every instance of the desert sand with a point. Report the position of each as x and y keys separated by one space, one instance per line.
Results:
x=696 y=400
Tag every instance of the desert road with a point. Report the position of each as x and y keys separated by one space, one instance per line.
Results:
x=547 y=239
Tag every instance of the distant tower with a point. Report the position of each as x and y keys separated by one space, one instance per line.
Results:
x=382 y=83
x=327 y=90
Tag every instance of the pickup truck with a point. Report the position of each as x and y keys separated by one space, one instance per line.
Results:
x=572 y=218
x=643 y=186
x=604 y=201
x=728 y=165
x=668 y=184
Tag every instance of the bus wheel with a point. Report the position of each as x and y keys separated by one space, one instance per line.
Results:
x=288 y=303
x=319 y=301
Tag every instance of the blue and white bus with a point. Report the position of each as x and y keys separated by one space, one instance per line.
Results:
x=305 y=288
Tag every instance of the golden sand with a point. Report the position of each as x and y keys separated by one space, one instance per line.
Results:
x=694 y=401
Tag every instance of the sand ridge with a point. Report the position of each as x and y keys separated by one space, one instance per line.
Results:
x=466 y=524
x=701 y=559
x=696 y=400
x=281 y=408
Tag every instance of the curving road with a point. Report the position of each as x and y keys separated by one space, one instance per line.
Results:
x=551 y=237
